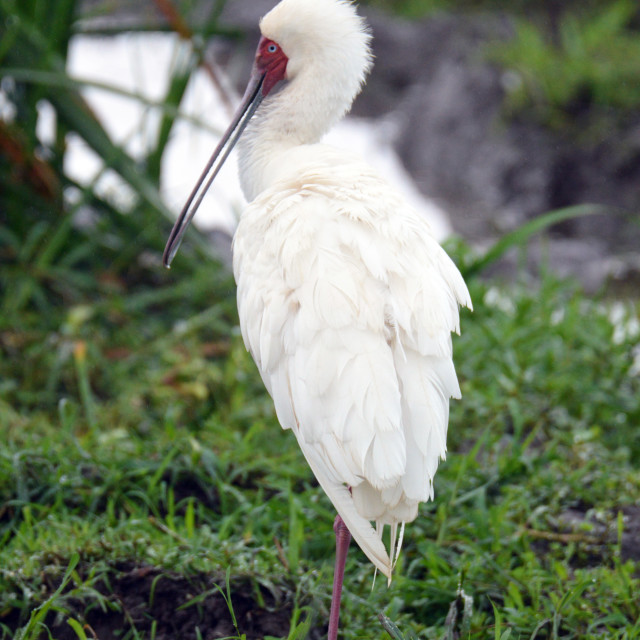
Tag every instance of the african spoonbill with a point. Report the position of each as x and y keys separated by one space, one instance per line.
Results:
x=346 y=301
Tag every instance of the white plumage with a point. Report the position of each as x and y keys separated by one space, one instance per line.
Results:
x=347 y=305
x=346 y=301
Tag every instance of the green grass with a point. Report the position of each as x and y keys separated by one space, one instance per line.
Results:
x=140 y=435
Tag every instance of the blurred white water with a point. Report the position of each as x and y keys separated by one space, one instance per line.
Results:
x=142 y=64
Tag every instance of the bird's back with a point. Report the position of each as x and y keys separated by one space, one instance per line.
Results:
x=347 y=305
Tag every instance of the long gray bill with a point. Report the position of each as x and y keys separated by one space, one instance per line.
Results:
x=250 y=102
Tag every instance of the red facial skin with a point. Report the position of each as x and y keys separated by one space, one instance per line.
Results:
x=270 y=62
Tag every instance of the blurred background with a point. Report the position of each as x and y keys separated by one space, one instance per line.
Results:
x=496 y=113
x=127 y=402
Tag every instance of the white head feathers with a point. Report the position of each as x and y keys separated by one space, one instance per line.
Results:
x=323 y=39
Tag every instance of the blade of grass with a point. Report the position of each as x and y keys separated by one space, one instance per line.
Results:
x=177 y=87
x=60 y=21
x=391 y=628
x=77 y=627
x=60 y=80
x=84 y=386
x=522 y=234
x=38 y=614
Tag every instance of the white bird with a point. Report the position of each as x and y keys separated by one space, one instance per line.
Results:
x=346 y=301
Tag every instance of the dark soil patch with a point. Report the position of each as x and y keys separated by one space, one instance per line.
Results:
x=597 y=544
x=188 y=484
x=631 y=533
x=169 y=606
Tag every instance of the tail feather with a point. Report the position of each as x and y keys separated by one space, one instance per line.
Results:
x=360 y=528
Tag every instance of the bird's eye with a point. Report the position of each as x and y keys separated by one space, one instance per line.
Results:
x=272 y=48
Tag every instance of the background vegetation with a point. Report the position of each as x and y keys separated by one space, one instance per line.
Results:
x=569 y=58
x=146 y=489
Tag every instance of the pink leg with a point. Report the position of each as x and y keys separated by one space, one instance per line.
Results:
x=343 y=538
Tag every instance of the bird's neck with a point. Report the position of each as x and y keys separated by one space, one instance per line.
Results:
x=297 y=115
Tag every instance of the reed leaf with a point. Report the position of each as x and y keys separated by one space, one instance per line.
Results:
x=524 y=233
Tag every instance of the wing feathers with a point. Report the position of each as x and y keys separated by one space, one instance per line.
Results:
x=347 y=305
